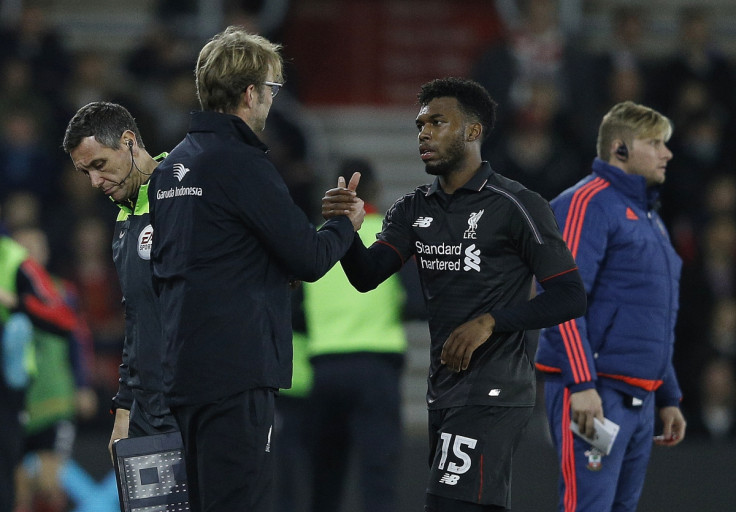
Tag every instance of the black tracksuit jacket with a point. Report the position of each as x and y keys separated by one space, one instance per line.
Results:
x=228 y=240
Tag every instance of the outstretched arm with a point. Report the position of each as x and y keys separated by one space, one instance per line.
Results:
x=366 y=268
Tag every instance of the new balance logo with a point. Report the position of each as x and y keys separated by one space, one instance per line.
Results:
x=423 y=222
x=449 y=479
x=180 y=171
x=631 y=215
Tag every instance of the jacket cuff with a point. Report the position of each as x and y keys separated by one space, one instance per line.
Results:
x=582 y=386
x=120 y=402
x=668 y=401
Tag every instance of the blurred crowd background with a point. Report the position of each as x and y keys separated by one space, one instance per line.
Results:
x=353 y=70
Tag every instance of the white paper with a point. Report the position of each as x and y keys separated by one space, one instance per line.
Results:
x=604 y=436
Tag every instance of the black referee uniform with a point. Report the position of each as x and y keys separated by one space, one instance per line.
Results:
x=140 y=387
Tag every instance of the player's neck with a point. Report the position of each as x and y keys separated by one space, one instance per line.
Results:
x=458 y=177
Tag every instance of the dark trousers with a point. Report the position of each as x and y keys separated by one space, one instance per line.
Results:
x=290 y=452
x=11 y=444
x=355 y=409
x=227 y=446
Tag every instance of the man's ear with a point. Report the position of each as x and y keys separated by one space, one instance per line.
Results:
x=475 y=131
x=249 y=96
x=620 y=150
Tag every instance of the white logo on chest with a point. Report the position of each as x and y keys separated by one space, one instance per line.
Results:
x=473 y=225
x=472 y=259
x=145 y=240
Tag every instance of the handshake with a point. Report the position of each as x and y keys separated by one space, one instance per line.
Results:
x=343 y=200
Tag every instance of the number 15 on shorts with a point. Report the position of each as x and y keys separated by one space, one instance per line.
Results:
x=454 y=448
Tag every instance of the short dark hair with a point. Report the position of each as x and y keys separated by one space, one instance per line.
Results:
x=474 y=99
x=102 y=120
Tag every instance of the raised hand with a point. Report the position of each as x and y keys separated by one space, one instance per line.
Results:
x=343 y=200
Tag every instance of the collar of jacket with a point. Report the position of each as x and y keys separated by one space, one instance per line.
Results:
x=632 y=186
x=474 y=184
x=217 y=122
x=134 y=205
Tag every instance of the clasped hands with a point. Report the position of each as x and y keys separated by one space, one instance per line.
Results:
x=343 y=200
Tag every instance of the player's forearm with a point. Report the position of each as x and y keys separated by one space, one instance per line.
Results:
x=563 y=299
x=366 y=268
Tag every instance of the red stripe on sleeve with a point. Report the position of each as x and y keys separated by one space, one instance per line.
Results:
x=575 y=352
x=577 y=210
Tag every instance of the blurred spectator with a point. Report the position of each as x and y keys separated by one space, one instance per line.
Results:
x=533 y=151
x=290 y=429
x=356 y=343
x=33 y=41
x=719 y=257
x=94 y=275
x=95 y=77
x=622 y=70
x=700 y=157
x=624 y=84
x=25 y=162
x=163 y=68
x=17 y=90
x=716 y=199
x=706 y=280
x=161 y=52
x=716 y=419
x=626 y=49
x=81 y=201
x=720 y=196
x=170 y=103
x=21 y=209
x=264 y=17
x=26 y=293
x=536 y=50
x=58 y=393
x=698 y=59
x=722 y=336
x=289 y=150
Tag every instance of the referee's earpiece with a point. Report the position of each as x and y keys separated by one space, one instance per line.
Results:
x=129 y=143
x=622 y=152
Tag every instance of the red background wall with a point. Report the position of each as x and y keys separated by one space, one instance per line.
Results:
x=381 y=51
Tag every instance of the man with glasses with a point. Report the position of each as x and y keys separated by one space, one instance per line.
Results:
x=275 y=88
x=229 y=239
